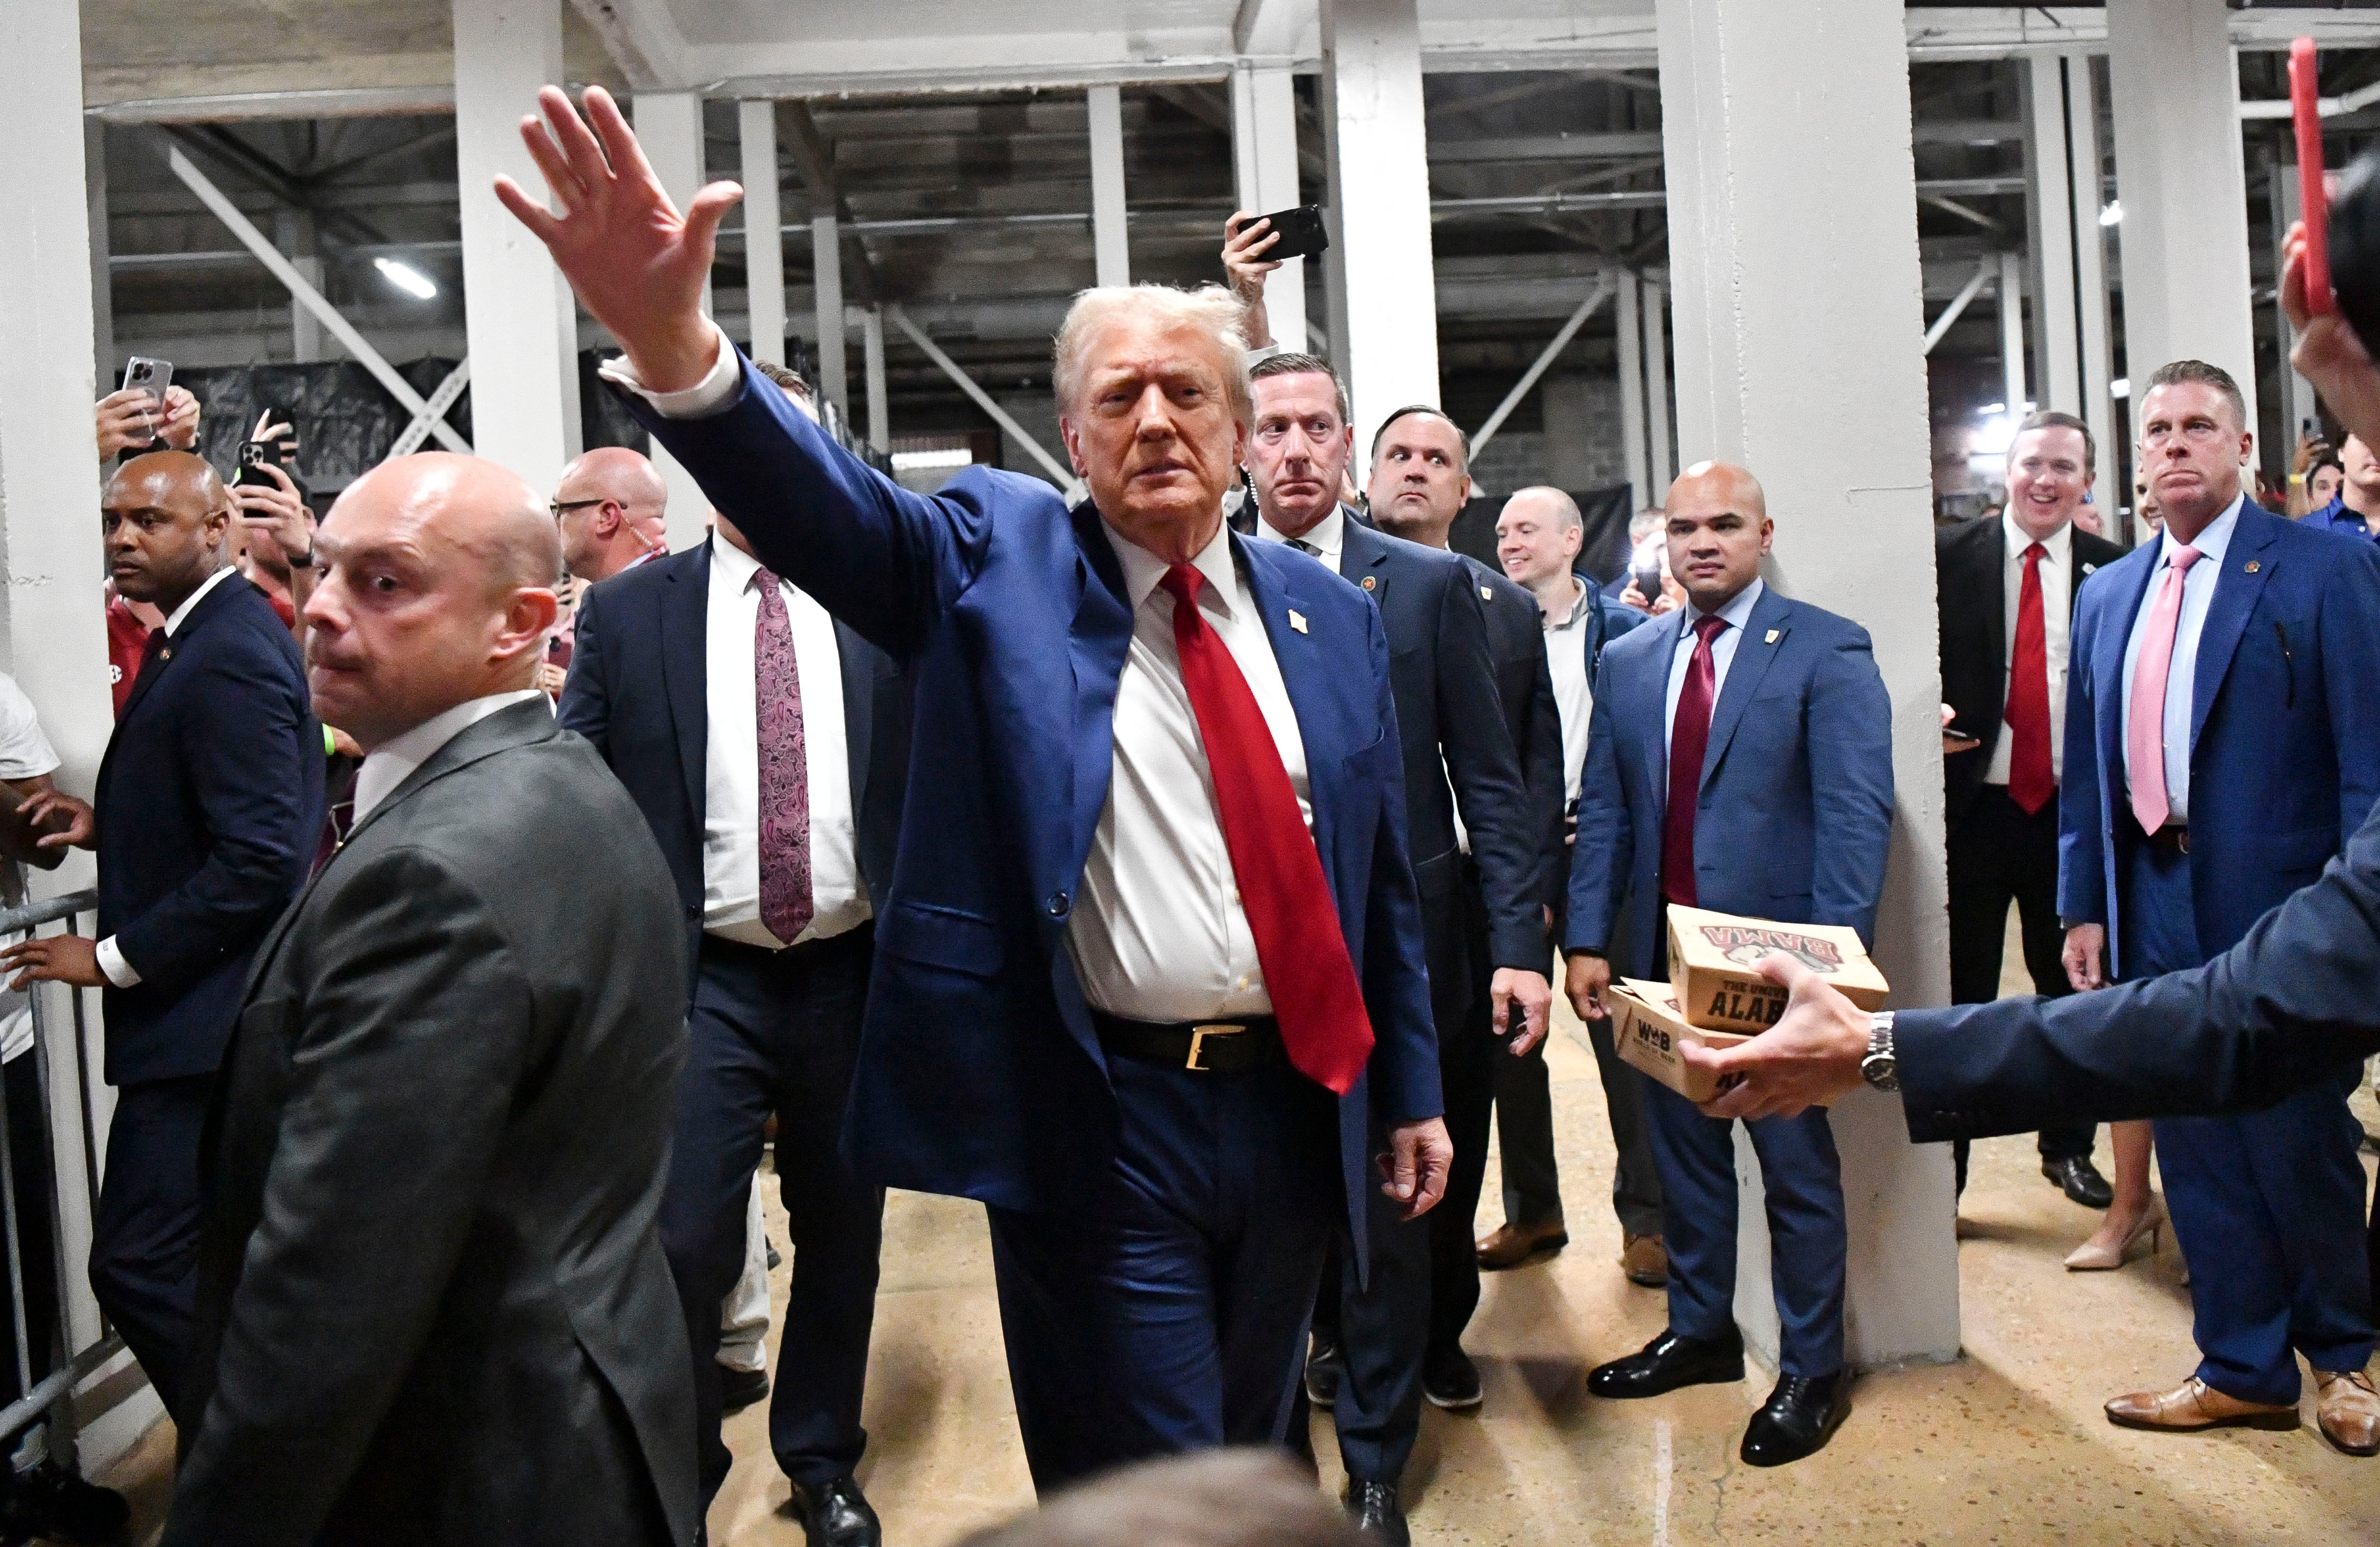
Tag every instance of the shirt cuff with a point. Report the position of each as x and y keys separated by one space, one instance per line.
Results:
x=706 y=397
x=113 y=967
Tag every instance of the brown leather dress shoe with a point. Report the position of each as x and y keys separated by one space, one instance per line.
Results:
x=1512 y=1246
x=2194 y=1405
x=1646 y=1262
x=2349 y=1411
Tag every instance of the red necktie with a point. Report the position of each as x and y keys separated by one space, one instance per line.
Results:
x=2032 y=782
x=1315 y=993
x=1689 y=739
x=787 y=901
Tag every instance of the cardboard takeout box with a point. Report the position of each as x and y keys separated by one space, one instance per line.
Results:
x=1715 y=967
x=1648 y=1030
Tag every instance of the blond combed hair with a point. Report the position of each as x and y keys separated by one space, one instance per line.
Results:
x=1209 y=309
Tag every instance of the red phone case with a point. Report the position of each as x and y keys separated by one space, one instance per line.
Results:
x=2314 y=198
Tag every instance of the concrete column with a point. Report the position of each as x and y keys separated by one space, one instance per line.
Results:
x=2050 y=224
x=1628 y=334
x=519 y=318
x=1786 y=128
x=826 y=289
x=1378 y=157
x=102 y=286
x=880 y=413
x=2181 y=176
x=764 y=248
x=1108 y=234
x=1264 y=163
x=2090 y=283
x=669 y=125
x=2010 y=296
x=1659 y=466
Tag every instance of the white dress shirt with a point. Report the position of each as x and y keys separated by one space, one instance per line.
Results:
x=1738 y=613
x=392 y=762
x=1328 y=537
x=112 y=965
x=2197 y=595
x=1158 y=932
x=1573 y=693
x=2057 y=618
x=731 y=797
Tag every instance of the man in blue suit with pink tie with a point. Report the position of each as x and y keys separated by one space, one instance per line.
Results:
x=1148 y=978
x=2222 y=743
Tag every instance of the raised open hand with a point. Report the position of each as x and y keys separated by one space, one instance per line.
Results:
x=636 y=263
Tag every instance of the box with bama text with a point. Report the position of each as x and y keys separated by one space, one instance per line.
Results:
x=1715 y=967
x=1648 y=1031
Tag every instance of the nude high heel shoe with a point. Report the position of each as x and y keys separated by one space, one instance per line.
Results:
x=2088 y=1257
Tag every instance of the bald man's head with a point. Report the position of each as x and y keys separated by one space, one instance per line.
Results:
x=437 y=589
x=1719 y=530
x=163 y=521
x=610 y=506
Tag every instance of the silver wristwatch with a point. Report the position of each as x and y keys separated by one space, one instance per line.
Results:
x=1879 y=1068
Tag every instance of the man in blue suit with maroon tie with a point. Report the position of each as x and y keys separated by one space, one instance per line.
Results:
x=1148 y=978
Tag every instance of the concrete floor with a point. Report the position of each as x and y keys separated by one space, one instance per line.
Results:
x=2008 y=1446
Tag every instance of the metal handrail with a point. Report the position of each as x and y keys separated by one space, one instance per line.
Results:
x=49 y=910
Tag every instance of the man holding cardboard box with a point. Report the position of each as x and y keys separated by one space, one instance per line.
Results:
x=1741 y=761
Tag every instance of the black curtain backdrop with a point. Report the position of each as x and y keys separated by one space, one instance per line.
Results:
x=1603 y=511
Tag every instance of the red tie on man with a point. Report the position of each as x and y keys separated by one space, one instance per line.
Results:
x=1689 y=740
x=1316 y=996
x=2031 y=783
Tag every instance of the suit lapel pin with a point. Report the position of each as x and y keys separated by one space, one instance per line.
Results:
x=1298 y=621
x=1772 y=636
x=1486 y=594
x=2089 y=569
x=1371 y=582
x=2254 y=567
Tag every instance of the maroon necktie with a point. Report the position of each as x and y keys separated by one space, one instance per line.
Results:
x=337 y=822
x=1316 y=997
x=1689 y=740
x=2030 y=780
x=786 y=903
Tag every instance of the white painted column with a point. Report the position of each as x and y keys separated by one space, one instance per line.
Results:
x=826 y=289
x=103 y=288
x=2050 y=227
x=1379 y=155
x=520 y=321
x=669 y=126
x=764 y=246
x=1264 y=164
x=879 y=412
x=1786 y=130
x=2010 y=296
x=1628 y=335
x=1660 y=465
x=2181 y=174
x=1110 y=238
x=292 y=233
x=2092 y=316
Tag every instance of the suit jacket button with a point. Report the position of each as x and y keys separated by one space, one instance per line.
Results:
x=1058 y=904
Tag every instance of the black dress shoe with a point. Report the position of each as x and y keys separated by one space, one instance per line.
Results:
x=1324 y=1367
x=739 y=1389
x=1373 y=1507
x=1801 y=1416
x=1670 y=1361
x=836 y=1516
x=2081 y=1180
x=53 y=1504
x=1450 y=1380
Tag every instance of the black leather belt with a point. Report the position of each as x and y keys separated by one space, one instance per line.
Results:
x=1205 y=1047
x=2173 y=837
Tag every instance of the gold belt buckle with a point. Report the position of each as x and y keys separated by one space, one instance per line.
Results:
x=1198 y=1035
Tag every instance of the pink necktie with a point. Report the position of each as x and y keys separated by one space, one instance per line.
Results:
x=2144 y=744
x=786 y=899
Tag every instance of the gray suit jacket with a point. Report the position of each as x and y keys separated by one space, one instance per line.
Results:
x=433 y=1306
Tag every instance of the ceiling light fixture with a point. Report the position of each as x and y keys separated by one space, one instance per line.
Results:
x=405 y=277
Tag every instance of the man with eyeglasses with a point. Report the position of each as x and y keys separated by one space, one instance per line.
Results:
x=2222 y=745
x=609 y=506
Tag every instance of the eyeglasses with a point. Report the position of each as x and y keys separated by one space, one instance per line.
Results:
x=560 y=507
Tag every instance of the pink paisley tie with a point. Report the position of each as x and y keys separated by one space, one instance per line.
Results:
x=2144 y=742
x=786 y=903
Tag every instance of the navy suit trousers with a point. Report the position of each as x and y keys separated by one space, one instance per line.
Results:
x=2268 y=1206
x=776 y=1032
x=1168 y=1312
x=144 y=1235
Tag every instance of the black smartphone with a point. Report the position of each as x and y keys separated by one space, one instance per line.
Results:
x=1648 y=581
x=253 y=455
x=1301 y=234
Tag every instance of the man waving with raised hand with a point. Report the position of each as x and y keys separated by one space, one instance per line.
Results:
x=1149 y=976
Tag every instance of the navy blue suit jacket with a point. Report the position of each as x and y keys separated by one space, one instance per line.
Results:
x=979 y=1073
x=209 y=804
x=1796 y=813
x=2284 y=726
x=639 y=689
